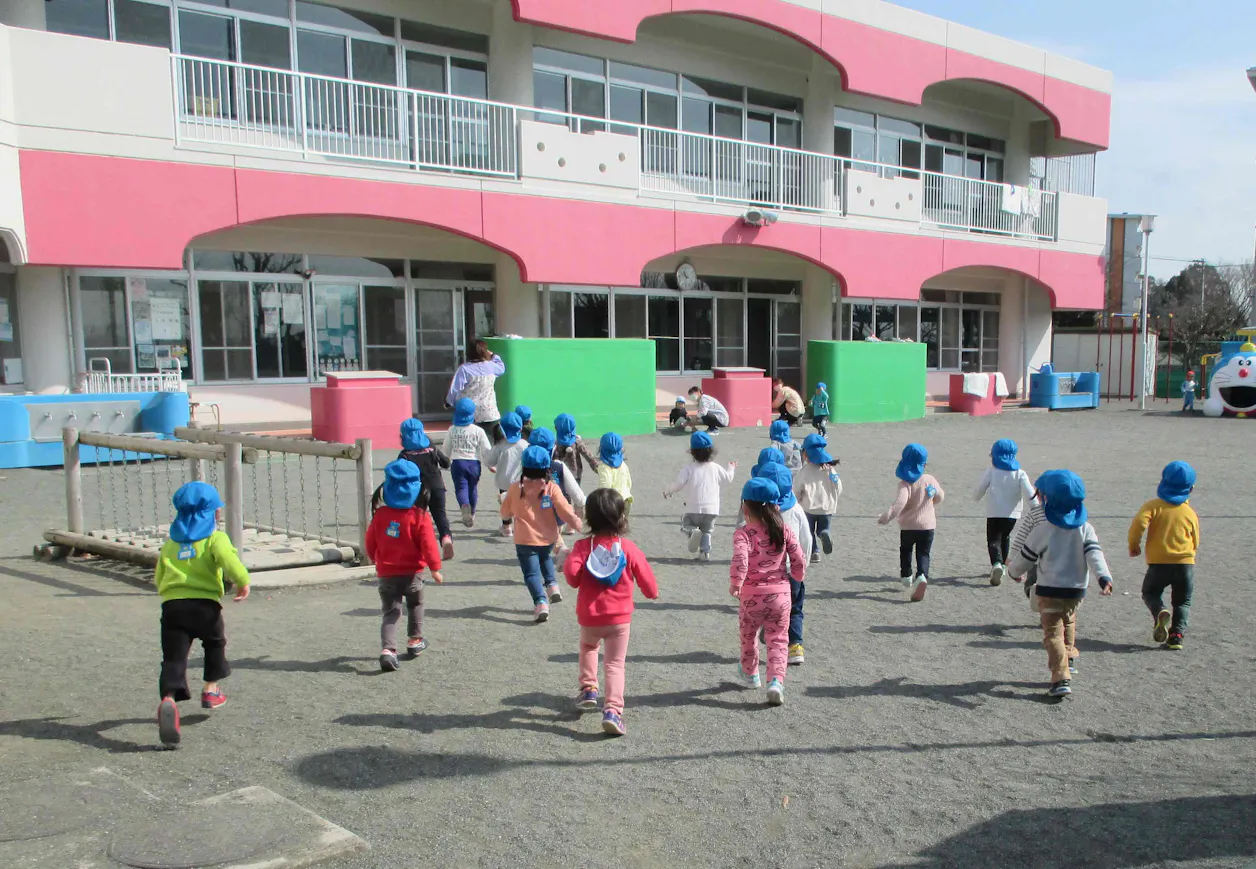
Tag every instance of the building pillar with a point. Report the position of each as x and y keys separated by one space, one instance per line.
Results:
x=1036 y=304
x=23 y=13
x=518 y=304
x=817 y=106
x=818 y=289
x=45 y=327
x=510 y=57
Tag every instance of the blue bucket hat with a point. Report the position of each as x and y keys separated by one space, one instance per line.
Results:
x=195 y=504
x=700 y=440
x=767 y=456
x=912 y=464
x=680 y=399
x=784 y=480
x=1003 y=455
x=535 y=457
x=464 y=412
x=816 y=448
x=779 y=432
x=402 y=484
x=412 y=435
x=542 y=437
x=1176 y=482
x=1065 y=493
x=512 y=426
x=823 y=386
x=565 y=429
x=611 y=450
x=525 y=412
x=760 y=491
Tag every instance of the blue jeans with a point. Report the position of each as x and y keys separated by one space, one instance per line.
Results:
x=797 y=594
x=817 y=523
x=538 y=569
x=1188 y=401
x=466 y=474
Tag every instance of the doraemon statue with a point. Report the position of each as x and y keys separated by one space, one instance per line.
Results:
x=1232 y=387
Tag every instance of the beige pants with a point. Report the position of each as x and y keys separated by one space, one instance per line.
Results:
x=1059 y=631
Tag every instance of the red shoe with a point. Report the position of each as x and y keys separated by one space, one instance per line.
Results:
x=213 y=699
x=168 y=722
x=447 y=548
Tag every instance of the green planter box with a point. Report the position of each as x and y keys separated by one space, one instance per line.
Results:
x=869 y=381
x=606 y=384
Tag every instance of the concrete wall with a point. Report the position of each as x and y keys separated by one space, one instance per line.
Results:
x=45 y=328
x=272 y=404
x=12 y=223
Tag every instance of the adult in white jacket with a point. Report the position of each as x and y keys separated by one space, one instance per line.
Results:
x=1006 y=488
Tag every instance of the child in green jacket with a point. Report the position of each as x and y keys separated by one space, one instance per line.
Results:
x=189 y=580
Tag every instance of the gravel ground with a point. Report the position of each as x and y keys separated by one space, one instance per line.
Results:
x=915 y=734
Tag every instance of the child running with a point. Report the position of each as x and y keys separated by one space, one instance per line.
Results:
x=613 y=472
x=417 y=447
x=818 y=487
x=189 y=580
x=1008 y=488
x=796 y=521
x=602 y=569
x=570 y=448
x=758 y=577
x=544 y=438
x=507 y=457
x=465 y=444
x=525 y=416
x=536 y=505
x=918 y=494
x=700 y=480
x=401 y=542
x=1066 y=551
x=820 y=409
x=779 y=434
x=1172 y=530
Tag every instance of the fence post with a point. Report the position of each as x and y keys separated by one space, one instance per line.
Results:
x=233 y=484
x=366 y=488
x=73 y=480
x=196 y=466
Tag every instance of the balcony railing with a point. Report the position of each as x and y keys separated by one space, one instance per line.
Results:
x=234 y=104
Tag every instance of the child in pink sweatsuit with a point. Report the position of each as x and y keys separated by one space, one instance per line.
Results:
x=918 y=493
x=759 y=578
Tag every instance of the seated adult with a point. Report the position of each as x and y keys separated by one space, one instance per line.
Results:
x=711 y=412
x=786 y=401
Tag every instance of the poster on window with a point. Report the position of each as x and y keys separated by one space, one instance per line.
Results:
x=165 y=319
x=145 y=357
x=138 y=288
x=270 y=321
x=4 y=312
x=143 y=331
x=293 y=309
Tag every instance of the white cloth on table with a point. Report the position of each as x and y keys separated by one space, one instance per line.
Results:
x=977 y=384
x=1000 y=385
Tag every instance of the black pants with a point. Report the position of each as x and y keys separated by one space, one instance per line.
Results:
x=922 y=542
x=998 y=538
x=821 y=423
x=788 y=417
x=711 y=422
x=678 y=416
x=1180 y=580
x=436 y=506
x=183 y=621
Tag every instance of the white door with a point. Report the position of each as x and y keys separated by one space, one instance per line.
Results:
x=440 y=344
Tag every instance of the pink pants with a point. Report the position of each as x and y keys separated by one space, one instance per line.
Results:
x=770 y=612
x=615 y=638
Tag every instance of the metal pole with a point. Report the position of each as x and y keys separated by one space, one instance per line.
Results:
x=1120 y=364
x=366 y=488
x=1107 y=372
x=1133 y=358
x=1142 y=366
x=233 y=484
x=1168 y=387
x=73 y=480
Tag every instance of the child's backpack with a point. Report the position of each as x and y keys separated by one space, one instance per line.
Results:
x=606 y=564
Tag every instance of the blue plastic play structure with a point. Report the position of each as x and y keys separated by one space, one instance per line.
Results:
x=1063 y=390
x=31 y=425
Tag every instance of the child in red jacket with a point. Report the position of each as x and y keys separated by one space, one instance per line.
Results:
x=602 y=568
x=401 y=541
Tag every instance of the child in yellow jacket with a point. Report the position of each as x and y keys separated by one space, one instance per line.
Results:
x=1172 y=530
x=189 y=580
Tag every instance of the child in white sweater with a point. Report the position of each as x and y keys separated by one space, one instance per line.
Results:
x=701 y=480
x=1006 y=488
x=818 y=487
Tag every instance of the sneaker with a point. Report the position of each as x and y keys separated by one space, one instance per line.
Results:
x=997 y=573
x=704 y=556
x=554 y=593
x=749 y=679
x=613 y=723
x=213 y=699
x=905 y=580
x=168 y=722
x=776 y=692
x=705 y=543
x=446 y=548
x=826 y=542
x=1029 y=590
x=588 y=699
x=713 y=432
x=695 y=539
x=815 y=558
x=468 y=518
x=1174 y=643
x=1073 y=664
x=415 y=647
x=1060 y=689
x=919 y=587
x=541 y=612
x=505 y=531
x=388 y=662
x=1160 y=632
x=796 y=654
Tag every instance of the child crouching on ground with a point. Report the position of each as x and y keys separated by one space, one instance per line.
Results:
x=679 y=417
x=507 y=457
x=918 y=494
x=536 y=504
x=602 y=568
x=1008 y=488
x=189 y=580
x=1172 y=529
x=700 y=480
x=778 y=431
x=759 y=579
x=417 y=447
x=818 y=487
x=613 y=471
x=1066 y=551
x=401 y=542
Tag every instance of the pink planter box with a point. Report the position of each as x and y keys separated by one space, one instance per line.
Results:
x=745 y=392
x=360 y=404
x=971 y=404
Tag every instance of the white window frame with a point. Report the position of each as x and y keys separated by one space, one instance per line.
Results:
x=843 y=325
x=79 y=333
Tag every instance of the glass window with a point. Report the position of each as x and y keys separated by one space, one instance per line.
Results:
x=161 y=324
x=141 y=23
x=102 y=302
x=588 y=98
x=886 y=322
x=930 y=318
x=374 y=62
x=730 y=339
x=364 y=267
x=468 y=78
x=626 y=105
x=266 y=263
x=322 y=54
x=769 y=100
x=10 y=335
x=852 y=118
x=843 y=331
x=949 y=340
x=661 y=110
x=630 y=316
x=338 y=338
x=989 y=340
x=642 y=75
x=430 y=34
x=775 y=287
x=986 y=143
x=78 y=17
x=906 y=129
x=591 y=315
x=425 y=72
x=211 y=36
x=981 y=299
x=447 y=271
x=664 y=328
x=265 y=45
x=549 y=91
x=699 y=333
x=353 y=20
x=728 y=122
x=277 y=8
x=226 y=333
x=942 y=134
x=279 y=330
x=860 y=321
x=696 y=117
x=907 y=315
x=560 y=314
x=970 y=337
x=708 y=88
x=385 y=320
x=542 y=56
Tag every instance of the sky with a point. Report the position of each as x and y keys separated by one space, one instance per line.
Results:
x=1183 y=113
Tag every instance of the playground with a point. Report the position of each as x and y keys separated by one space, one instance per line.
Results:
x=915 y=735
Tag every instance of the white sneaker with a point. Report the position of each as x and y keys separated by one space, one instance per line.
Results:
x=468 y=518
x=750 y=680
x=776 y=692
x=541 y=612
x=695 y=539
x=997 y=573
x=906 y=580
x=704 y=556
x=815 y=558
x=554 y=593
x=919 y=587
